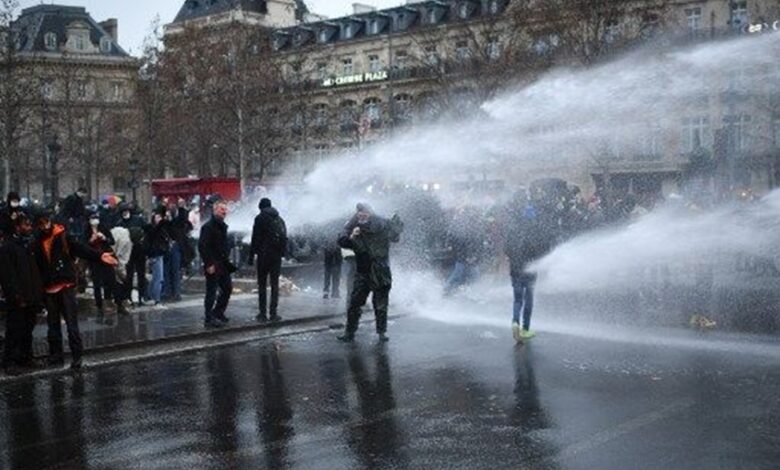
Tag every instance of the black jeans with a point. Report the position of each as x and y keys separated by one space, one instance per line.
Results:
x=136 y=267
x=268 y=270
x=332 y=274
x=19 y=325
x=104 y=284
x=380 y=299
x=63 y=305
x=216 y=305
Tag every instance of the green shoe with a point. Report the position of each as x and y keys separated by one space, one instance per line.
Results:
x=527 y=334
x=516 y=332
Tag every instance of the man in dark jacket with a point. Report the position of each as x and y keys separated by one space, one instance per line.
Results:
x=23 y=288
x=55 y=250
x=369 y=236
x=13 y=207
x=74 y=213
x=136 y=267
x=529 y=238
x=179 y=228
x=215 y=253
x=269 y=243
x=98 y=237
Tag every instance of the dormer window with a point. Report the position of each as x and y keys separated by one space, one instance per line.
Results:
x=493 y=7
x=464 y=10
x=348 y=31
x=51 y=41
x=105 y=45
x=81 y=42
x=373 y=26
x=433 y=17
x=324 y=35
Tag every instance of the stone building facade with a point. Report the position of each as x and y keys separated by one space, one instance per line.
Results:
x=363 y=77
x=74 y=110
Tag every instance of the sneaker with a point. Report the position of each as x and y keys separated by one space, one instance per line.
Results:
x=383 y=338
x=276 y=318
x=346 y=338
x=527 y=334
x=516 y=332
x=325 y=296
x=261 y=318
x=213 y=324
x=223 y=319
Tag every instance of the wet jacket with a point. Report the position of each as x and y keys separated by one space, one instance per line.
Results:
x=55 y=253
x=527 y=241
x=213 y=245
x=20 y=277
x=372 y=248
x=269 y=235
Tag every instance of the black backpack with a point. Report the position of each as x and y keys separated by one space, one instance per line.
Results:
x=277 y=234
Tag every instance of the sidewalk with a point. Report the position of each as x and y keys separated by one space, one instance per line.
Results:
x=183 y=321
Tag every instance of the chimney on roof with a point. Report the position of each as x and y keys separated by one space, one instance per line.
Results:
x=111 y=26
x=358 y=8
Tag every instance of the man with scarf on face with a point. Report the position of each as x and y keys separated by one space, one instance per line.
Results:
x=23 y=288
x=55 y=252
x=9 y=213
x=98 y=237
x=369 y=236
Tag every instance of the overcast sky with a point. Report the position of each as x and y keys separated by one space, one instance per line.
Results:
x=136 y=16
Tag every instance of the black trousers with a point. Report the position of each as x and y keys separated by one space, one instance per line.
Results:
x=380 y=299
x=219 y=287
x=268 y=271
x=63 y=305
x=332 y=274
x=19 y=325
x=104 y=284
x=136 y=267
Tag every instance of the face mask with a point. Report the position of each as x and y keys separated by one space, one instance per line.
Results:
x=94 y=222
x=126 y=216
x=14 y=204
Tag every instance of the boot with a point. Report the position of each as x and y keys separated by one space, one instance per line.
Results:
x=121 y=309
x=346 y=338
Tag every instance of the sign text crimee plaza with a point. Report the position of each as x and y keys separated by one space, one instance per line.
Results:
x=355 y=79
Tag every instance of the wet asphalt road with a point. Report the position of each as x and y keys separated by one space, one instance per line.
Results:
x=436 y=396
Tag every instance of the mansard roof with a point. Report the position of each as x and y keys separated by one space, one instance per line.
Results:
x=194 y=9
x=36 y=22
x=397 y=20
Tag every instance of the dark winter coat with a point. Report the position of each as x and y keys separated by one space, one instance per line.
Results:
x=269 y=235
x=20 y=277
x=73 y=208
x=157 y=241
x=213 y=245
x=55 y=253
x=527 y=241
x=372 y=248
x=7 y=216
x=103 y=246
x=179 y=230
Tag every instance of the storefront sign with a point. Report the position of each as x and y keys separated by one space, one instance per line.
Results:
x=355 y=79
x=762 y=27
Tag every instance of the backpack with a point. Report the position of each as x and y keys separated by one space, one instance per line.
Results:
x=277 y=234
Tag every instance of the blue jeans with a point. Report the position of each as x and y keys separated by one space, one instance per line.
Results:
x=523 y=286
x=172 y=263
x=155 y=287
x=461 y=274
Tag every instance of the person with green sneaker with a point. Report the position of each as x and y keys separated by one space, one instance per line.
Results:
x=528 y=239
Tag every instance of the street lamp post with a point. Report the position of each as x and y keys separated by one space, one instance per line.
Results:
x=133 y=164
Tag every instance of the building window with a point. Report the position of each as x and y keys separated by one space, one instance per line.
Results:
x=494 y=50
x=431 y=55
x=695 y=133
x=373 y=26
x=81 y=42
x=50 y=39
x=493 y=7
x=320 y=152
x=321 y=115
x=372 y=107
x=403 y=108
x=322 y=70
x=433 y=16
x=81 y=90
x=737 y=131
x=105 y=45
x=464 y=9
x=545 y=45
x=652 y=143
x=324 y=35
x=777 y=132
x=347 y=31
x=462 y=50
x=347 y=68
x=611 y=30
x=117 y=91
x=739 y=14
x=693 y=18
x=47 y=90
x=374 y=64
x=401 y=59
x=347 y=118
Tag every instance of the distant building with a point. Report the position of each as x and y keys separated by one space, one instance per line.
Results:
x=75 y=85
